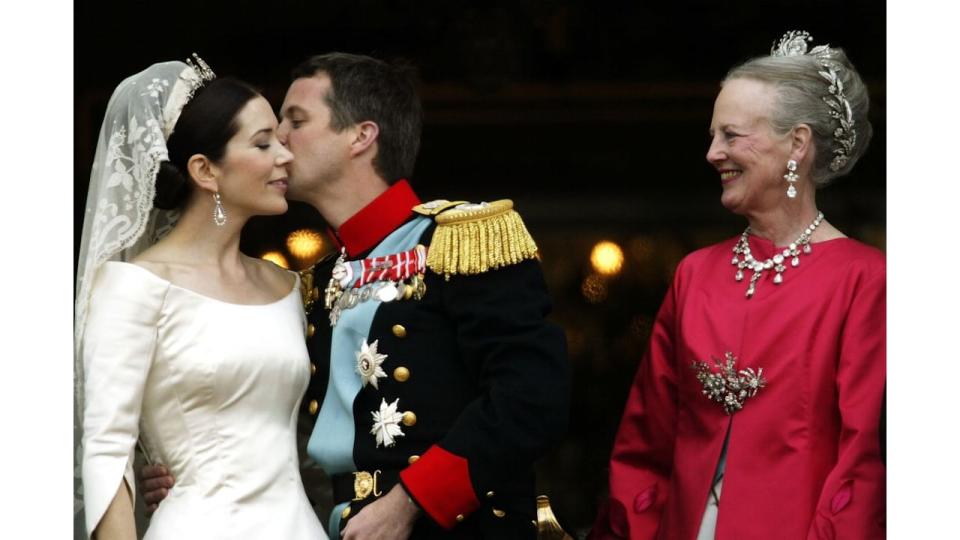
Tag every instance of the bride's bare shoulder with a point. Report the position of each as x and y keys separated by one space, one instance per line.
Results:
x=160 y=261
x=276 y=278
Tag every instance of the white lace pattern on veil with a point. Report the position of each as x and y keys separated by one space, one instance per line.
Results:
x=119 y=220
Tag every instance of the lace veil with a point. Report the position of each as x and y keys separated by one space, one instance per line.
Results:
x=119 y=219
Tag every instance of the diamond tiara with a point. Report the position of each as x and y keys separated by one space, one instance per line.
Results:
x=794 y=43
x=203 y=71
x=187 y=84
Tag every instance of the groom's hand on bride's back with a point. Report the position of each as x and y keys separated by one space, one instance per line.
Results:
x=156 y=481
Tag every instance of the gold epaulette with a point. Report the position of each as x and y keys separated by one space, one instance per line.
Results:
x=433 y=208
x=475 y=238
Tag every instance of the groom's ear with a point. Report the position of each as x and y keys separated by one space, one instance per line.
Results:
x=365 y=134
x=203 y=172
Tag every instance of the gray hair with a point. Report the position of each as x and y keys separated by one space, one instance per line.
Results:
x=800 y=91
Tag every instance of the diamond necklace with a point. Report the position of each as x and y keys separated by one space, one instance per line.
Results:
x=776 y=262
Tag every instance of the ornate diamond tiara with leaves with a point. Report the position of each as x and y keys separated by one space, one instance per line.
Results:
x=794 y=43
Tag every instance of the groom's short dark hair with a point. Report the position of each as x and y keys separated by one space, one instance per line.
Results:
x=368 y=89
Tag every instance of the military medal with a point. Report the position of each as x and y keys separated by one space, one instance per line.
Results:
x=386 y=423
x=368 y=364
x=333 y=291
x=387 y=278
x=388 y=292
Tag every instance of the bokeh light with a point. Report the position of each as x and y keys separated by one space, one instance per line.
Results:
x=276 y=258
x=305 y=244
x=606 y=258
x=594 y=289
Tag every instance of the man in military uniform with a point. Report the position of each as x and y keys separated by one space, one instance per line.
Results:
x=437 y=382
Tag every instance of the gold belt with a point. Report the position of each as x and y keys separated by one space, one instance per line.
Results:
x=365 y=483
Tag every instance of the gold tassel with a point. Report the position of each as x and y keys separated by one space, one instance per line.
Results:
x=478 y=238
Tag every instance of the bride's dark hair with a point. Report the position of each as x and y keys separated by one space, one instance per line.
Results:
x=206 y=124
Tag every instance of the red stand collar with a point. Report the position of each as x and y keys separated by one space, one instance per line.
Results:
x=376 y=220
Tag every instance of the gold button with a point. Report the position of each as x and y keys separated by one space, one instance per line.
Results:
x=401 y=374
x=489 y=494
x=346 y=513
x=313 y=368
x=409 y=418
x=413 y=459
x=310 y=330
x=399 y=331
x=315 y=293
x=499 y=513
x=313 y=406
x=460 y=518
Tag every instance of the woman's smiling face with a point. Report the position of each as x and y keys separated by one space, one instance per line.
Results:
x=750 y=157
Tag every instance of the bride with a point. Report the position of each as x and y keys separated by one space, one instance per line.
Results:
x=182 y=341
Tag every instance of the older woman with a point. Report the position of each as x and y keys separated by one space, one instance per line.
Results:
x=754 y=413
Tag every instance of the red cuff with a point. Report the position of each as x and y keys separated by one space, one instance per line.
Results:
x=440 y=483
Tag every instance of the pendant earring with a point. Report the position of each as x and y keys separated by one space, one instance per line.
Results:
x=791 y=177
x=219 y=215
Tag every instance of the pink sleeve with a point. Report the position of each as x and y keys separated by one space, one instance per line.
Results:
x=852 y=502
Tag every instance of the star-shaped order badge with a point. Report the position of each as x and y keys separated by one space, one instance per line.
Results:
x=386 y=423
x=368 y=364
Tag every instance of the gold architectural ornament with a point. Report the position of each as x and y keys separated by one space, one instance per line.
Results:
x=475 y=238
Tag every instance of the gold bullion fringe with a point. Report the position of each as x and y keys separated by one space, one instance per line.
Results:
x=475 y=246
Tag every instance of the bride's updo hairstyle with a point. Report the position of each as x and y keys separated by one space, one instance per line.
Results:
x=205 y=126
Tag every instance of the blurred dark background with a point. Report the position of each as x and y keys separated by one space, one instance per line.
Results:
x=591 y=115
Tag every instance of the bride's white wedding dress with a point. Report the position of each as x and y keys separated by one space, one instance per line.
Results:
x=213 y=390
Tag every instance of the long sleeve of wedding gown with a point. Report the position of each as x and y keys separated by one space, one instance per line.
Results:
x=118 y=348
